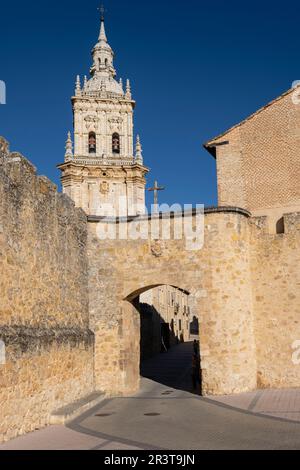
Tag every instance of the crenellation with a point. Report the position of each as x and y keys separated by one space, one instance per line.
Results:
x=291 y=222
x=261 y=223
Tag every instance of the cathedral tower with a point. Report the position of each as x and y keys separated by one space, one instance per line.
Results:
x=103 y=175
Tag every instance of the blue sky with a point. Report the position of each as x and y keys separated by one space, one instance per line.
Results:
x=196 y=68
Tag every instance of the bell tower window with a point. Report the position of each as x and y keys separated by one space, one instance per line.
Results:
x=116 y=143
x=92 y=142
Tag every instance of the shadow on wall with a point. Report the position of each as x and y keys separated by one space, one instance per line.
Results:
x=156 y=335
x=167 y=353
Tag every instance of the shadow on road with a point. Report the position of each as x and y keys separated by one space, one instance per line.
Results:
x=173 y=368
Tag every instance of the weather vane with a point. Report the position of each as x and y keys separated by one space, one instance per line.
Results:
x=102 y=11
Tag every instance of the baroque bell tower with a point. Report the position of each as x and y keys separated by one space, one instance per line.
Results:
x=103 y=175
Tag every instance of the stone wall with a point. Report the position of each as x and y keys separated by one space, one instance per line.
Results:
x=244 y=288
x=276 y=296
x=45 y=369
x=68 y=316
x=44 y=320
x=218 y=279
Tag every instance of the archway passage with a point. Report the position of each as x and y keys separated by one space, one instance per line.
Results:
x=169 y=347
x=122 y=269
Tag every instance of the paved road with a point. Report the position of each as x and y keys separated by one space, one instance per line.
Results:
x=172 y=369
x=166 y=416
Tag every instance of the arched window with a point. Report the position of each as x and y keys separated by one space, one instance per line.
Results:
x=280 y=226
x=106 y=62
x=92 y=142
x=116 y=143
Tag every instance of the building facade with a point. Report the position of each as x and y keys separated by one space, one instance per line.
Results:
x=165 y=319
x=258 y=166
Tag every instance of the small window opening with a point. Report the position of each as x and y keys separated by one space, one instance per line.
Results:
x=92 y=142
x=280 y=226
x=116 y=143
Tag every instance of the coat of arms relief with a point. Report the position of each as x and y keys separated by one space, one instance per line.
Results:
x=115 y=123
x=91 y=122
x=104 y=187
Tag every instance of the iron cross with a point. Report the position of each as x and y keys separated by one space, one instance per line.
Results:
x=102 y=11
x=155 y=190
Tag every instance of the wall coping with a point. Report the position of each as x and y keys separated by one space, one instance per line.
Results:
x=172 y=215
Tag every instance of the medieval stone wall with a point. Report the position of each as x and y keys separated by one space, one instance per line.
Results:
x=276 y=297
x=44 y=320
x=244 y=288
x=68 y=315
x=218 y=278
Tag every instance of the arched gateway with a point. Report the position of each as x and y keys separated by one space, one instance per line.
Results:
x=243 y=282
x=217 y=276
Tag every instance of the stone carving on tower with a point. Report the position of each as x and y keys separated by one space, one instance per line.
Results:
x=102 y=174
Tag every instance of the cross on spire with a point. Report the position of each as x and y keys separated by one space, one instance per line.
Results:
x=102 y=35
x=155 y=190
x=102 y=11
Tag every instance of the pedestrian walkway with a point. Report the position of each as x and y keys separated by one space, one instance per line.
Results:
x=284 y=403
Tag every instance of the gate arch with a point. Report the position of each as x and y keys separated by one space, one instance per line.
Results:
x=218 y=277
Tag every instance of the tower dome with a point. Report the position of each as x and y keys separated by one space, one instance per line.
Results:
x=102 y=71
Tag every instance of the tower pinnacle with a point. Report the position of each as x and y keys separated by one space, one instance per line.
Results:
x=78 y=86
x=69 y=147
x=138 y=151
x=128 y=90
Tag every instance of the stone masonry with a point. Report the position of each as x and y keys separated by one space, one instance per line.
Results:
x=67 y=311
x=68 y=315
x=218 y=279
x=44 y=320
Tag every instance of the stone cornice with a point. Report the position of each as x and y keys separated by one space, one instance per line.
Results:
x=96 y=166
x=172 y=215
x=26 y=339
x=101 y=99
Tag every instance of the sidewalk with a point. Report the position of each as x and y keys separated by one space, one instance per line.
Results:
x=62 y=438
x=283 y=403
